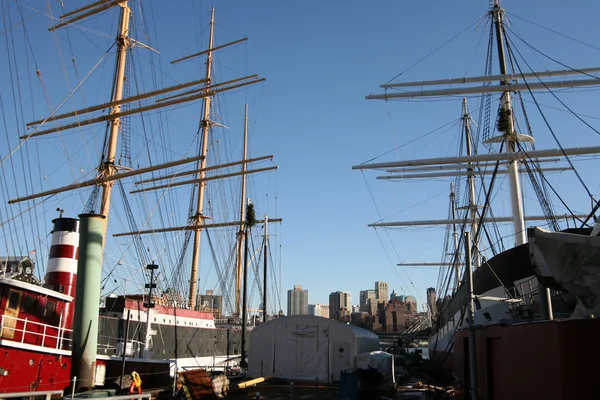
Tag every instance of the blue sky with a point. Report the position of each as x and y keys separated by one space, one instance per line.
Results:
x=320 y=59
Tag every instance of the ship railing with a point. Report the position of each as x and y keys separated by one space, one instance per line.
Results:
x=35 y=333
x=31 y=332
x=48 y=394
x=124 y=397
x=525 y=290
x=131 y=348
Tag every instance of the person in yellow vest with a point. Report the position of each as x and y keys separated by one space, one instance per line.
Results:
x=136 y=383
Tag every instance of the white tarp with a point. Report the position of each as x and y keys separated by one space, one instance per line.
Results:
x=383 y=363
x=306 y=347
x=574 y=263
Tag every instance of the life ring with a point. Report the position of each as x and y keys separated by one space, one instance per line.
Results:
x=136 y=383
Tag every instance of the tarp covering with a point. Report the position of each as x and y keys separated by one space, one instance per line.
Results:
x=304 y=347
x=381 y=362
x=568 y=262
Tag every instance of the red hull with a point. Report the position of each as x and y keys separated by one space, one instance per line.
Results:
x=32 y=370
x=35 y=371
x=544 y=360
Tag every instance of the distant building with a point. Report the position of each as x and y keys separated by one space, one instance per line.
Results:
x=381 y=290
x=212 y=303
x=395 y=316
x=319 y=310
x=365 y=295
x=356 y=308
x=372 y=306
x=359 y=318
x=340 y=304
x=431 y=302
x=404 y=299
x=297 y=301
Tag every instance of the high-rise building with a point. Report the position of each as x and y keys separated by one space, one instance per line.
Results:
x=365 y=295
x=431 y=301
x=381 y=289
x=372 y=306
x=212 y=303
x=315 y=309
x=297 y=301
x=340 y=304
x=319 y=310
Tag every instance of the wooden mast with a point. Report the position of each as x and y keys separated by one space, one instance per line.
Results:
x=108 y=167
x=197 y=218
x=240 y=234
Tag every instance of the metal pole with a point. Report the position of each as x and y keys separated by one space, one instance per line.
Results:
x=545 y=302
x=471 y=183
x=510 y=135
x=149 y=306
x=125 y=348
x=455 y=237
x=73 y=387
x=227 y=335
x=470 y=314
x=87 y=298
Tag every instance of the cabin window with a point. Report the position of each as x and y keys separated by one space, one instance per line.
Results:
x=50 y=311
x=29 y=304
x=40 y=308
x=14 y=299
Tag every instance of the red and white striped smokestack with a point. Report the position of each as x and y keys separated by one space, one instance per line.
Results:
x=61 y=274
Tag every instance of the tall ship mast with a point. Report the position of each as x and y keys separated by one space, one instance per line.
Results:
x=491 y=310
x=134 y=331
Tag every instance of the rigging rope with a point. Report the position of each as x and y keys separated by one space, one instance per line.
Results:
x=222 y=283
x=509 y=47
x=439 y=47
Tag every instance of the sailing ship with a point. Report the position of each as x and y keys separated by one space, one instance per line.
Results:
x=46 y=326
x=516 y=322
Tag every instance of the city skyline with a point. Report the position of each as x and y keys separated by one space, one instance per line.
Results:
x=385 y=294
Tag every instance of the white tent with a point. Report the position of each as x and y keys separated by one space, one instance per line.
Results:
x=304 y=347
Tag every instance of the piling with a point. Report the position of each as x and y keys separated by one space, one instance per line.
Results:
x=87 y=299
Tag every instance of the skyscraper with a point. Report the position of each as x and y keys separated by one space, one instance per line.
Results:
x=381 y=288
x=319 y=310
x=365 y=295
x=340 y=304
x=431 y=301
x=297 y=301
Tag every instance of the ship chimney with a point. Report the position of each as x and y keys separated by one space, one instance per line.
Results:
x=61 y=274
x=87 y=299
